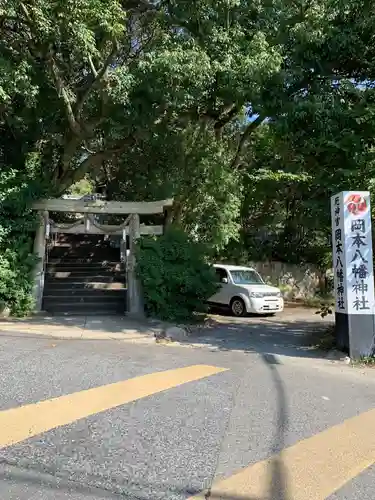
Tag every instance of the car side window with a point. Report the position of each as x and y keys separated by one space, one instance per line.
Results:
x=221 y=273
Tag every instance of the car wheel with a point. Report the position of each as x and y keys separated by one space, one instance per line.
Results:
x=237 y=307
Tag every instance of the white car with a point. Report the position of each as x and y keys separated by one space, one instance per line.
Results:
x=244 y=291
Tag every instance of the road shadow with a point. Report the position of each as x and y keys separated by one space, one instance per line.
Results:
x=278 y=485
x=291 y=333
x=275 y=481
x=286 y=336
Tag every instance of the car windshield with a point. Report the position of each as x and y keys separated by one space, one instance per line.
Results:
x=246 y=277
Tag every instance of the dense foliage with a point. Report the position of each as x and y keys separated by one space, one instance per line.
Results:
x=18 y=187
x=176 y=280
x=249 y=113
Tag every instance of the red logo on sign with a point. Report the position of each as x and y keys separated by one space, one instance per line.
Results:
x=356 y=204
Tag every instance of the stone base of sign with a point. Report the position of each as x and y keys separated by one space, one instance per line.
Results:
x=355 y=334
x=342 y=332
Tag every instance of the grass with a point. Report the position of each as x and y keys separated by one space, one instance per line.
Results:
x=368 y=361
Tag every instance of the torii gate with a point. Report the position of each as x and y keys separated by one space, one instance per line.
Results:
x=131 y=226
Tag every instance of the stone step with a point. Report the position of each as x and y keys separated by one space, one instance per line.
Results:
x=86 y=261
x=87 y=264
x=83 y=294
x=64 y=312
x=81 y=241
x=83 y=271
x=83 y=248
x=62 y=278
x=84 y=275
x=71 y=256
x=61 y=243
x=110 y=299
x=89 y=308
x=92 y=239
x=50 y=286
x=87 y=245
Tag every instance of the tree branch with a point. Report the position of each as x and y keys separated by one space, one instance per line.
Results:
x=98 y=75
x=70 y=177
x=25 y=11
x=92 y=67
x=225 y=118
x=14 y=19
x=74 y=125
x=246 y=134
x=71 y=145
x=141 y=6
x=91 y=163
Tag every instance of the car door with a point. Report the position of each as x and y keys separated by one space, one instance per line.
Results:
x=221 y=296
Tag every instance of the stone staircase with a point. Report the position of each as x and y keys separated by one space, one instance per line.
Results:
x=84 y=275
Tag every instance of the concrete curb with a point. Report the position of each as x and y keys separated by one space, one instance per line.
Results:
x=133 y=337
x=82 y=329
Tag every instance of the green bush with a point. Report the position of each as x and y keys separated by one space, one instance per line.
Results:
x=175 y=277
x=17 y=226
x=16 y=281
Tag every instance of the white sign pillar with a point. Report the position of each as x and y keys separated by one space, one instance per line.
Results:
x=134 y=292
x=353 y=272
x=40 y=250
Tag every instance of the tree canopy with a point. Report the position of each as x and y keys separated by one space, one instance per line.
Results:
x=249 y=113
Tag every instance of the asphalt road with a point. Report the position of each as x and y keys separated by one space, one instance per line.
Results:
x=173 y=436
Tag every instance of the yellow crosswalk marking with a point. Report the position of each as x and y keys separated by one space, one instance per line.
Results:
x=312 y=469
x=18 y=424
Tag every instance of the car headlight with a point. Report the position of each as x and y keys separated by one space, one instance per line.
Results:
x=257 y=295
x=278 y=294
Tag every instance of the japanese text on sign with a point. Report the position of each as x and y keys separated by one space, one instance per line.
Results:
x=338 y=260
x=352 y=252
x=360 y=271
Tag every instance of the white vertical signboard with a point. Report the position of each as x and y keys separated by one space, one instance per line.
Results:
x=352 y=252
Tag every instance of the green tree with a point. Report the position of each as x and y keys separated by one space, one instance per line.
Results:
x=237 y=108
x=322 y=145
x=83 y=81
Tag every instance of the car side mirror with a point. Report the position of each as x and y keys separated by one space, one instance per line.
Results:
x=224 y=280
